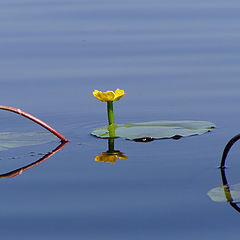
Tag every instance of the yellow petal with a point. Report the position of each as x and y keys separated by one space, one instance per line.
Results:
x=119 y=94
x=108 y=96
x=97 y=94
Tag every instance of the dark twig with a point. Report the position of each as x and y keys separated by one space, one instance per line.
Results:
x=227 y=148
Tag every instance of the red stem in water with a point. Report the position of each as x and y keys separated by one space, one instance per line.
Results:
x=36 y=120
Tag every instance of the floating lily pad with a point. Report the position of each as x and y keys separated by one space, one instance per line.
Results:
x=154 y=130
x=12 y=139
x=225 y=193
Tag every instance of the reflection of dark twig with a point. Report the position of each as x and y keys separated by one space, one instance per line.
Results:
x=225 y=183
x=222 y=168
x=235 y=206
x=44 y=158
x=227 y=148
x=36 y=120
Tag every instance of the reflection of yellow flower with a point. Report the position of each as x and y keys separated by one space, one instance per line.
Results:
x=109 y=96
x=110 y=157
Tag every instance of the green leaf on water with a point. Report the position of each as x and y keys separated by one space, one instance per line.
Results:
x=154 y=130
x=12 y=139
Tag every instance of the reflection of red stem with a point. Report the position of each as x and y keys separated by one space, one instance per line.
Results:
x=18 y=171
x=38 y=121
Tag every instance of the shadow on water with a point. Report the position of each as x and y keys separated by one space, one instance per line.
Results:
x=19 y=171
x=226 y=192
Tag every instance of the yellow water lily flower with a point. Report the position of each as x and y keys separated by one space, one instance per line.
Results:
x=109 y=96
x=110 y=157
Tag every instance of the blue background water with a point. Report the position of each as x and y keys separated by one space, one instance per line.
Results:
x=176 y=60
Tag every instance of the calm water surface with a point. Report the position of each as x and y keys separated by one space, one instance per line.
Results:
x=176 y=60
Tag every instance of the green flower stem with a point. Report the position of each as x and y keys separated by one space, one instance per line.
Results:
x=110 y=113
x=111 y=130
x=111 y=126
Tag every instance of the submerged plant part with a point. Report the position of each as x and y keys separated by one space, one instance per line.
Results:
x=34 y=119
x=109 y=97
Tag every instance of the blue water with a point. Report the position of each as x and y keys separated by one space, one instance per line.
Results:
x=177 y=60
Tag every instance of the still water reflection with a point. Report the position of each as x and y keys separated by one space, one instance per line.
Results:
x=226 y=192
x=176 y=59
x=19 y=171
x=111 y=155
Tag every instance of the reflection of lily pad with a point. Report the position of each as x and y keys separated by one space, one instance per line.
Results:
x=156 y=130
x=13 y=139
x=225 y=193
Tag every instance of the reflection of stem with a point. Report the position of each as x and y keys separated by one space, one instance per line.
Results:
x=38 y=121
x=44 y=158
x=110 y=112
x=111 y=145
